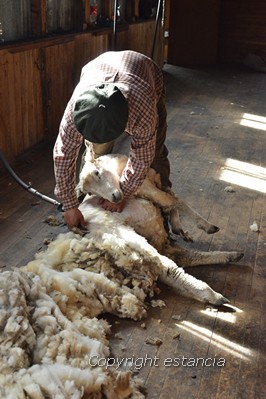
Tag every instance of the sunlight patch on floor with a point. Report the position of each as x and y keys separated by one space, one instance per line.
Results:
x=217 y=340
x=229 y=316
x=253 y=121
x=244 y=174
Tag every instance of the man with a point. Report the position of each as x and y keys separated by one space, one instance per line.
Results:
x=118 y=91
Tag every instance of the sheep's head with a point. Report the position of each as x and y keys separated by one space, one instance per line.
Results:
x=97 y=179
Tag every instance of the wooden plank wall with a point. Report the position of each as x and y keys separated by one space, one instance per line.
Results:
x=140 y=38
x=37 y=80
x=242 y=30
x=60 y=14
x=193 y=32
x=21 y=102
x=15 y=17
x=35 y=85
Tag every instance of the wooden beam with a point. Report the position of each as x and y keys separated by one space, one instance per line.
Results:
x=86 y=13
x=38 y=17
x=107 y=9
x=78 y=16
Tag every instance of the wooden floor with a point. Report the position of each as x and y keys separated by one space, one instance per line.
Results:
x=216 y=140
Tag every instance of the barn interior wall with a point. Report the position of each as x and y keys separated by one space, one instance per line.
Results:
x=242 y=30
x=38 y=77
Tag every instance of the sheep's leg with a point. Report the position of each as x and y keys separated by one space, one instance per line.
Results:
x=183 y=208
x=173 y=205
x=131 y=248
x=188 y=285
x=167 y=202
x=188 y=258
x=176 y=226
x=163 y=199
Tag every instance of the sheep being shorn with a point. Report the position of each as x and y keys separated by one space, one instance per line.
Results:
x=132 y=253
x=101 y=177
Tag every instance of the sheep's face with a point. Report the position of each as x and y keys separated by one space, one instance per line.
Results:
x=95 y=179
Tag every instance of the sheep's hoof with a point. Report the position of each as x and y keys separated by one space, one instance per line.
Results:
x=235 y=256
x=184 y=234
x=221 y=300
x=212 y=229
x=186 y=237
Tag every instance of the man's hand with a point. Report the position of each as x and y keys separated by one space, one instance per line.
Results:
x=112 y=207
x=74 y=218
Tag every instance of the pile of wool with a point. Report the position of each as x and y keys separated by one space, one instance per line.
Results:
x=49 y=325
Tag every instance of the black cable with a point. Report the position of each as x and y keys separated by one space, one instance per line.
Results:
x=28 y=186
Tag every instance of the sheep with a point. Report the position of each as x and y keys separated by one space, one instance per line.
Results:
x=101 y=177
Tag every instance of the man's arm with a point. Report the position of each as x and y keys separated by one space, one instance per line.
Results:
x=141 y=155
x=65 y=154
x=140 y=158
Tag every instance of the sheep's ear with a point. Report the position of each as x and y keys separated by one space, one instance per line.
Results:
x=89 y=157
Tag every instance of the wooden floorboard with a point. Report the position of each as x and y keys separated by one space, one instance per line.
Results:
x=205 y=107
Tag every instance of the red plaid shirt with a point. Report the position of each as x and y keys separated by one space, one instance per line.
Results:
x=141 y=82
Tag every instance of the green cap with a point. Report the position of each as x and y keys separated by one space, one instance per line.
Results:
x=101 y=113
